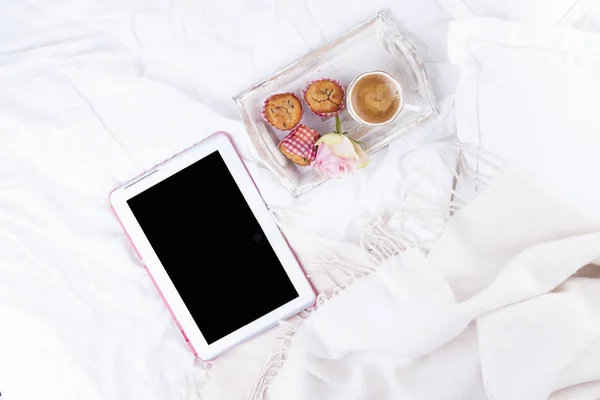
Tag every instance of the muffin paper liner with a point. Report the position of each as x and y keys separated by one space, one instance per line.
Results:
x=329 y=114
x=301 y=142
x=263 y=112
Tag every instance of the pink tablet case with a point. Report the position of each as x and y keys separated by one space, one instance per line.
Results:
x=142 y=260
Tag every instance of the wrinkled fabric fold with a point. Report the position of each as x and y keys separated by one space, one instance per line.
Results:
x=520 y=335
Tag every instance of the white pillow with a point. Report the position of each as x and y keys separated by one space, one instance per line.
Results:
x=532 y=96
x=539 y=11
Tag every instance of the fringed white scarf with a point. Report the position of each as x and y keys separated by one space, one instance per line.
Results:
x=504 y=306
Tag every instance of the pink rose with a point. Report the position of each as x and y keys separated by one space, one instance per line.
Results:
x=337 y=155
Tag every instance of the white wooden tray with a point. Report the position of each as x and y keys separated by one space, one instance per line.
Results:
x=374 y=45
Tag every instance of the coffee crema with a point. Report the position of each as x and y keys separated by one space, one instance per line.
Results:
x=375 y=99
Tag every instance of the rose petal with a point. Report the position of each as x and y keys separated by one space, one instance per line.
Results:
x=330 y=138
x=329 y=164
x=344 y=148
x=361 y=157
x=324 y=154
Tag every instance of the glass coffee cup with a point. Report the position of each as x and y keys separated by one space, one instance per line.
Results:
x=375 y=98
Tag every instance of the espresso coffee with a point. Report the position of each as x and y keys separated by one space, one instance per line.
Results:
x=375 y=98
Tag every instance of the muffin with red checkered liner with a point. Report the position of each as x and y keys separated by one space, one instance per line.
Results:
x=299 y=145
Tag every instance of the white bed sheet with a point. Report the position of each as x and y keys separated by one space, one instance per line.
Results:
x=93 y=93
x=551 y=134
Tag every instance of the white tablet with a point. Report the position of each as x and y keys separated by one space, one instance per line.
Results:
x=217 y=257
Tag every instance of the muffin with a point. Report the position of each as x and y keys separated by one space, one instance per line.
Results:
x=325 y=97
x=283 y=111
x=299 y=145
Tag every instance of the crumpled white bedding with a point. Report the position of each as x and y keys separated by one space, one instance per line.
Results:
x=91 y=94
x=511 y=322
x=95 y=92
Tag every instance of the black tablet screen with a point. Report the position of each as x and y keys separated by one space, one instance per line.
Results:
x=212 y=247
